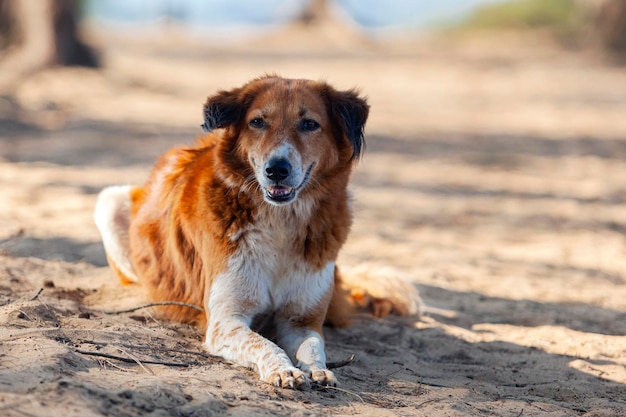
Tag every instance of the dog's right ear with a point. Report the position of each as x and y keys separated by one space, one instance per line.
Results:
x=222 y=109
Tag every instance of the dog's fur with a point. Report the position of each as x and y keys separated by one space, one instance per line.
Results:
x=248 y=224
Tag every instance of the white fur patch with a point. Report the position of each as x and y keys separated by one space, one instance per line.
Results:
x=112 y=217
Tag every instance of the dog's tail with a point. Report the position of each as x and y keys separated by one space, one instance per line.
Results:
x=377 y=290
x=112 y=217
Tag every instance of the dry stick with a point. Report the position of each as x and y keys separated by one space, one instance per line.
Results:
x=160 y=303
x=365 y=398
x=184 y=352
x=344 y=390
x=106 y=362
x=20 y=333
x=148 y=370
x=37 y=295
x=129 y=360
x=430 y=401
x=25 y=315
x=154 y=349
x=432 y=384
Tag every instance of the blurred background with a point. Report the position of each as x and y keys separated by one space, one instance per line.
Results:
x=155 y=61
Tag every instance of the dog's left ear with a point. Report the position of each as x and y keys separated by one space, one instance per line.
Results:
x=352 y=112
x=222 y=109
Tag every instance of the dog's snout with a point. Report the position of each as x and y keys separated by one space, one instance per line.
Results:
x=277 y=169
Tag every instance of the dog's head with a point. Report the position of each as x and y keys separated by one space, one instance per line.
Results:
x=288 y=132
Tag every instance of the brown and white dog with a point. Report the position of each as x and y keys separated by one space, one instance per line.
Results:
x=248 y=224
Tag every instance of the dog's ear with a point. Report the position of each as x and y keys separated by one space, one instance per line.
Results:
x=222 y=109
x=352 y=112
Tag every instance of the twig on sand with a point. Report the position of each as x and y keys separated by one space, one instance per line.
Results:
x=339 y=364
x=105 y=362
x=156 y=304
x=24 y=315
x=365 y=398
x=434 y=400
x=37 y=295
x=131 y=359
x=153 y=349
x=22 y=333
x=343 y=390
x=432 y=384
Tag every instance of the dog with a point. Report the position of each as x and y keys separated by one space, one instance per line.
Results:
x=248 y=223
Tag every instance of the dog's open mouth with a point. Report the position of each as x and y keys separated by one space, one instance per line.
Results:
x=279 y=193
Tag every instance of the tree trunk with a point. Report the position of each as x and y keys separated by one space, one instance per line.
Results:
x=315 y=12
x=611 y=25
x=39 y=33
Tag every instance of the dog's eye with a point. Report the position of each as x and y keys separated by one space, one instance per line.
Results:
x=257 y=123
x=308 y=125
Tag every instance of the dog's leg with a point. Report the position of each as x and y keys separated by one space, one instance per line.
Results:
x=232 y=339
x=112 y=217
x=230 y=310
x=299 y=326
x=305 y=347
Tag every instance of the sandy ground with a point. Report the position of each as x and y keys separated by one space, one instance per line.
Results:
x=494 y=178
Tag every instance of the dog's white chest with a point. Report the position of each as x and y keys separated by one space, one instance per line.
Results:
x=268 y=270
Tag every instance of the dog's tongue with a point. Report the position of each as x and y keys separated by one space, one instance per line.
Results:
x=279 y=190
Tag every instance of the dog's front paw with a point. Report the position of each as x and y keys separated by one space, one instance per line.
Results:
x=288 y=378
x=323 y=377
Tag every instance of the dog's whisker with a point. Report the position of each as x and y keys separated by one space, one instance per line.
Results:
x=249 y=185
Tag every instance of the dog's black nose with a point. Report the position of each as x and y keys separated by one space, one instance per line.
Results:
x=277 y=169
